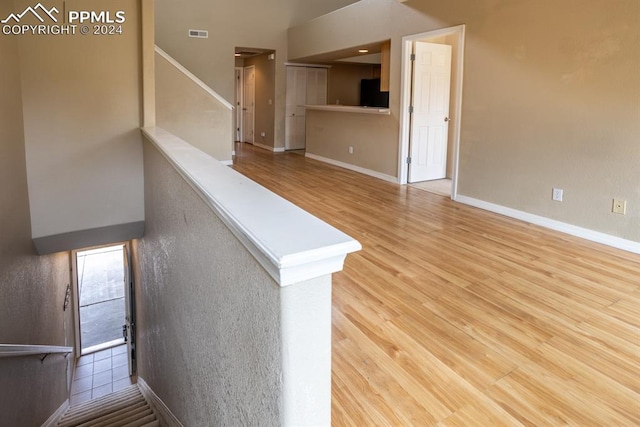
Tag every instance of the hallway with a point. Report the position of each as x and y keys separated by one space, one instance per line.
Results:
x=451 y=315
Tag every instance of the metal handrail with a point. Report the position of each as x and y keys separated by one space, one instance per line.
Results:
x=20 y=350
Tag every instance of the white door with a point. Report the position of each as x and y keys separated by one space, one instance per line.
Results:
x=316 y=86
x=129 y=328
x=430 y=118
x=249 y=104
x=295 y=119
x=237 y=118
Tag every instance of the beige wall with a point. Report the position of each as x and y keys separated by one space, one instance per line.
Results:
x=329 y=135
x=185 y=109
x=265 y=92
x=82 y=113
x=550 y=98
x=32 y=287
x=344 y=83
x=230 y=24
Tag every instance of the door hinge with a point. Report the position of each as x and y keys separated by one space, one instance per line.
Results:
x=412 y=57
x=408 y=160
x=410 y=109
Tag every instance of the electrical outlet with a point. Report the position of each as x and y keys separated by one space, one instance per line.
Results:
x=263 y=134
x=351 y=149
x=619 y=206
x=558 y=194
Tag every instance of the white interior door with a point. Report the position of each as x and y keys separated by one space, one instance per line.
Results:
x=249 y=104
x=295 y=112
x=430 y=118
x=237 y=117
x=129 y=328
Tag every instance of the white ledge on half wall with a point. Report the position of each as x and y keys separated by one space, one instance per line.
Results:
x=290 y=243
x=350 y=109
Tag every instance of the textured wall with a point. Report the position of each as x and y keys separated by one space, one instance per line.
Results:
x=32 y=287
x=186 y=110
x=82 y=113
x=208 y=314
x=550 y=98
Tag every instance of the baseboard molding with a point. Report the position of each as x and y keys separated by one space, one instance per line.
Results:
x=354 y=168
x=268 y=147
x=56 y=416
x=161 y=409
x=227 y=162
x=574 y=230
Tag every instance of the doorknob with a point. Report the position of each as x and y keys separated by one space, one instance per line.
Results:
x=447 y=119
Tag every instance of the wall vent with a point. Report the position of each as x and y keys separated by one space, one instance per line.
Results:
x=201 y=34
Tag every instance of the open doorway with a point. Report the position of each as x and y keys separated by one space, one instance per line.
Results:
x=255 y=70
x=451 y=40
x=101 y=297
x=105 y=321
x=104 y=302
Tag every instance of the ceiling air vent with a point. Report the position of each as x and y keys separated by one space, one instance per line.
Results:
x=201 y=34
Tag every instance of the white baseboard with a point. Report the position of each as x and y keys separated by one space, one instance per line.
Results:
x=354 y=168
x=161 y=409
x=267 y=147
x=227 y=162
x=56 y=416
x=574 y=230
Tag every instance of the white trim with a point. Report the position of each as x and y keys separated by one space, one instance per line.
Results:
x=405 y=99
x=53 y=420
x=295 y=64
x=354 y=168
x=196 y=80
x=563 y=227
x=227 y=162
x=19 y=350
x=170 y=420
x=350 y=109
x=269 y=148
x=291 y=244
x=75 y=301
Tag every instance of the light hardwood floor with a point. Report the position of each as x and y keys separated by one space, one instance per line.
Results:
x=453 y=316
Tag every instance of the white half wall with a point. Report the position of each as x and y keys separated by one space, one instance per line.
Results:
x=234 y=309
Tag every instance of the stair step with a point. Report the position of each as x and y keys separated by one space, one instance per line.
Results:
x=142 y=421
x=125 y=408
x=117 y=416
x=77 y=416
x=124 y=393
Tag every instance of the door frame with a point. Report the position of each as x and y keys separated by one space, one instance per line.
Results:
x=75 y=291
x=253 y=116
x=455 y=102
x=238 y=131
